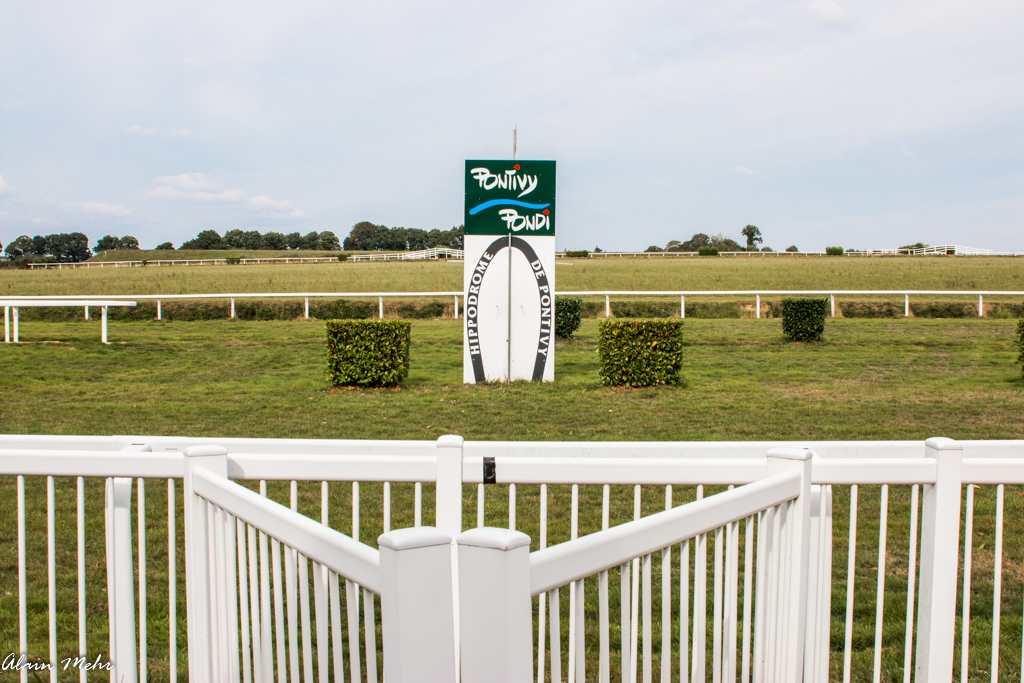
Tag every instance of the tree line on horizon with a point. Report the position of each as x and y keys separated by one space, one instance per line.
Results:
x=366 y=236
x=751 y=233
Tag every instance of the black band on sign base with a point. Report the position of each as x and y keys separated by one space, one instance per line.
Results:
x=543 y=291
x=490 y=471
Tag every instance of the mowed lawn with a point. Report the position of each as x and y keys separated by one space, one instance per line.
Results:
x=869 y=379
x=712 y=273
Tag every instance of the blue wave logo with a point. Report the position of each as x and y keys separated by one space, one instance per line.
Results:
x=505 y=202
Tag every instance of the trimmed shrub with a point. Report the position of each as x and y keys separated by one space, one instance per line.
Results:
x=367 y=353
x=1020 y=345
x=707 y=251
x=642 y=309
x=833 y=251
x=581 y=253
x=343 y=257
x=568 y=315
x=351 y=310
x=804 y=319
x=641 y=353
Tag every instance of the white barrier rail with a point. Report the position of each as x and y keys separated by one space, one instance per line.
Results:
x=77 y=300
x=729 y=594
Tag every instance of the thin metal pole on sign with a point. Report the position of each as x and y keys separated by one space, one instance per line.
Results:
x=508 y=341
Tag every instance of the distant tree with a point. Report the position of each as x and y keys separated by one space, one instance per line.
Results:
x=907 y=248
x=417 y=239
x=274 y=241
x=166 y=246
x=653 y=249
x=362 y=237
x=328 y=241
x=311 y=240
x=68 y=247
x=723 y=243
x=38 y=245
x=252 y=239
x=694 y=243
x=233 y=239
x=598 y=250
x=207 y=239
x=129 y=242
x=19 y=247
x=674 y=245
x=767 y=249
x=107 y=243
x=792 y=248
x=753 y=235
x=293 y=240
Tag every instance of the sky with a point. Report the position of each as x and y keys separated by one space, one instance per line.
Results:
x=857 y=124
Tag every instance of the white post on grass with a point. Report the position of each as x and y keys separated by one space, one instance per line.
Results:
x=456 y=306
x=307 y=308
x=416 y=605
x=981 y=306
x=232 y=307
x=201 y=632
x=86 y=312
x=159 y=313
x=7 y=324
x=833 y=297
x=757 y=305
x=381 y=307
x=940 y=547
x=448 y=513
x=906 y=306
x=15 y=324
x=496 y=607
x=794 y=613
x=607 y=306
x=682 y=306
x=103 y=334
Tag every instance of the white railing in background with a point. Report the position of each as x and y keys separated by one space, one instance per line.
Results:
x=235 y=539
x=82 y=299
x=422 y=254
x=942 y=250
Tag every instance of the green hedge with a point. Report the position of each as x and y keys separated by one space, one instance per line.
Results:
x=707 y=251
x=581 y=253
x=804 y=319
x=833 y=251
x=368 y=353
x=641 y=353
x=1020 y=345
x=568 y=315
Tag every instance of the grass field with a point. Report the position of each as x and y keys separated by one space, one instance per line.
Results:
x=869 y=379
x=575 y=274
x=163 y=255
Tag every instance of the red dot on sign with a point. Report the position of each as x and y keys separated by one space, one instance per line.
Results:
x=546 y=212
x=516 y=167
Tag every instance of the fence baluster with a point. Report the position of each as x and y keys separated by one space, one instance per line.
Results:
x=243 y=594
x=883 y=520
x=634 y=631
x=370 y=636
x=604 y=664
x=307 y=641
x=716 y=624
x=556 y=638
x=700 y=607
x=666 y=602
x=512 y=507
x=141 y=522
x=51 y=575
x=419 y=505
x=965 y=618
x=997 y=584
x=851 y=576
x=911 y=569
x=261 y=674
x=336 y=640
x=320 y=603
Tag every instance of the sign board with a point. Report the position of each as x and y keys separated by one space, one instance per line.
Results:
x=509 y=272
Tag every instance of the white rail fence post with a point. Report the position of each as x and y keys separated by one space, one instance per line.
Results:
x=201 y=631
x=103 y=333
x=159 y=312
x=794 y=558
x=940 y=546
x=819 y=585
x=448 y=516
x=7 y=324
x=416 y=605
x=757 y=305
x=381 y=307
x=15 y=324
x=496 y=607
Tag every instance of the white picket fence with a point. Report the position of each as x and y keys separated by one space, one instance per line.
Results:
x=251 y=616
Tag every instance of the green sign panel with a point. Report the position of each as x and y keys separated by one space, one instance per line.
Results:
x=516 y=197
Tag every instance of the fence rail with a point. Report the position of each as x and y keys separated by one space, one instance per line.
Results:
x=706 y=590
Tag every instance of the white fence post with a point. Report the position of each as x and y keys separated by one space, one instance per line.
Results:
x=159 y=313
x=381 y=307
x=448 y=512
x=981 y=306
x=201 y=631
x=682 y=306
x=86 y=312
x=15 y=324
x=819 y=585
x=103 y=333
x=232 y=307
x=416 y=605
x=496 y=608
x=7 y=324
x=906 y=306
x=456 y=306
x=307 y=308
x=795 y=556
x=940 y=546
x=758 y=306
x=607 y=306
x=833 y=298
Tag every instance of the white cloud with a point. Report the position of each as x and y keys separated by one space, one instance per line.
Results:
x=140 y=130
x=262 y=202
x=4 y=187
x=99 y=208
x=196 y=187
x=830 y=13
x=181 y=132
x=744 y=170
